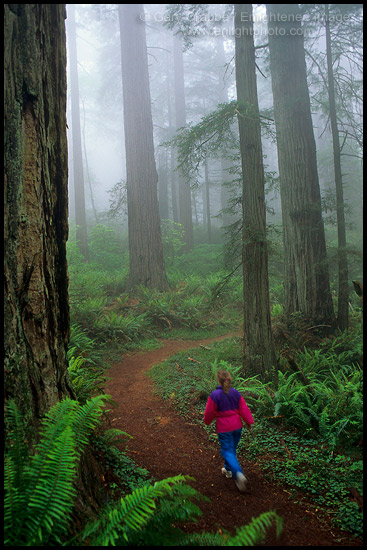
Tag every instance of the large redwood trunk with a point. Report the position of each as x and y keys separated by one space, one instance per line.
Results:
x=259 y=353
x=35 y=201
x=306 y=285
x=145 y=240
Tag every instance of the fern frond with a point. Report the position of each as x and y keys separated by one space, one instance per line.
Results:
x=15 y=447
x=131 y=514
x=162 y=529
x=13 y=503
x=86 y=418
x=52 y=498
x=254 y=532
x=55 y=422
x=202 y=539
x=113 y=436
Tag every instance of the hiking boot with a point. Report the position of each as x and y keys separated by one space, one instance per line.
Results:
x=226 y=473
x=240 y=480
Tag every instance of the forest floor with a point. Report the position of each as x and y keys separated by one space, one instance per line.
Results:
x=167 y=445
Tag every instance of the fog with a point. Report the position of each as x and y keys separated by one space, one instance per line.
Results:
x=208 y=79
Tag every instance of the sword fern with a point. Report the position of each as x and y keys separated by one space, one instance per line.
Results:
x=39 y=491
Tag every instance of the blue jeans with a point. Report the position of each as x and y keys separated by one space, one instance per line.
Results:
x=228 y=445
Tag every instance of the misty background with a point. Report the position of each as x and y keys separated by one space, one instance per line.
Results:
x=209 y=80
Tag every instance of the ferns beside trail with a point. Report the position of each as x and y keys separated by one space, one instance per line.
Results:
x=40 y=492
x=149 y=517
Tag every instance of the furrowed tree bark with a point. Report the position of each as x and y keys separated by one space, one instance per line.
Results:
x=259 y=353
x=36 y=209
x=145 y=239
x=306 y=284
x=36 y=313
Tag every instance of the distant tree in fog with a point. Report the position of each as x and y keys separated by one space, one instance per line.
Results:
x=80 y=215
x=306 y=280
x=339 y=97
x=145 y=240
x=184 y=192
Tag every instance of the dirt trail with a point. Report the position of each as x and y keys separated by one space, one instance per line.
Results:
x=166 y=445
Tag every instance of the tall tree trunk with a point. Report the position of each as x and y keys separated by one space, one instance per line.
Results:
x=145 y=239
x=87 y=169
x=258 y=344
x=207 y=202
x=36 y=313
x=80 y=215
x=225 y=194
x=306 y=283
x=172 y=156
x=36 y=207
x=184 y=192
x=343 y=298
x=163 y=184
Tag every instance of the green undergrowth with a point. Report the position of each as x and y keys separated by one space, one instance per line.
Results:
x=201 y=298
x=307 y=438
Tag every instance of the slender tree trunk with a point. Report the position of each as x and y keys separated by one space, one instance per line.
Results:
x=163 y=184
x=36 y=319
x=80 y=215
x=258 y=344
x=207 y=202
x=307 y=288
x=145 y=239
x=184 y=192
x=173 y=163
x=225 y=195
x=172 y=174
x=343 y=298
x=87 y=169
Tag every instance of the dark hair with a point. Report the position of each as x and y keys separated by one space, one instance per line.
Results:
x=224 y=379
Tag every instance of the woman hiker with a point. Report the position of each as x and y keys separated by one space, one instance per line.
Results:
x=228 y=406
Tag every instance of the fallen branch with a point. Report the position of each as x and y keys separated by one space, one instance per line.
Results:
x=316 y=326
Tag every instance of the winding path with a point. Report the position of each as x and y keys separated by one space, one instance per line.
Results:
x=166 y=445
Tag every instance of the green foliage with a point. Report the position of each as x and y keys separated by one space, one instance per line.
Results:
x=102 y=311
x=112 y=326
x=39 y=490
x=119 y=522
x=126 y=474
x=104 y=248
x=85 y=373
x=301 y=431
x=81 y=344
x=254 y=532
x=190 y=376
x=172 y=239
x=87 y=379
x=203 y=260
x=151 y=514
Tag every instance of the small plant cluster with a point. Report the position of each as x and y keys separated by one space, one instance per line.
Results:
x=84 y=369
x=40 y=492
x=303 y=431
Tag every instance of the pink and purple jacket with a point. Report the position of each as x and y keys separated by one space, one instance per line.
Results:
x=228 y=409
